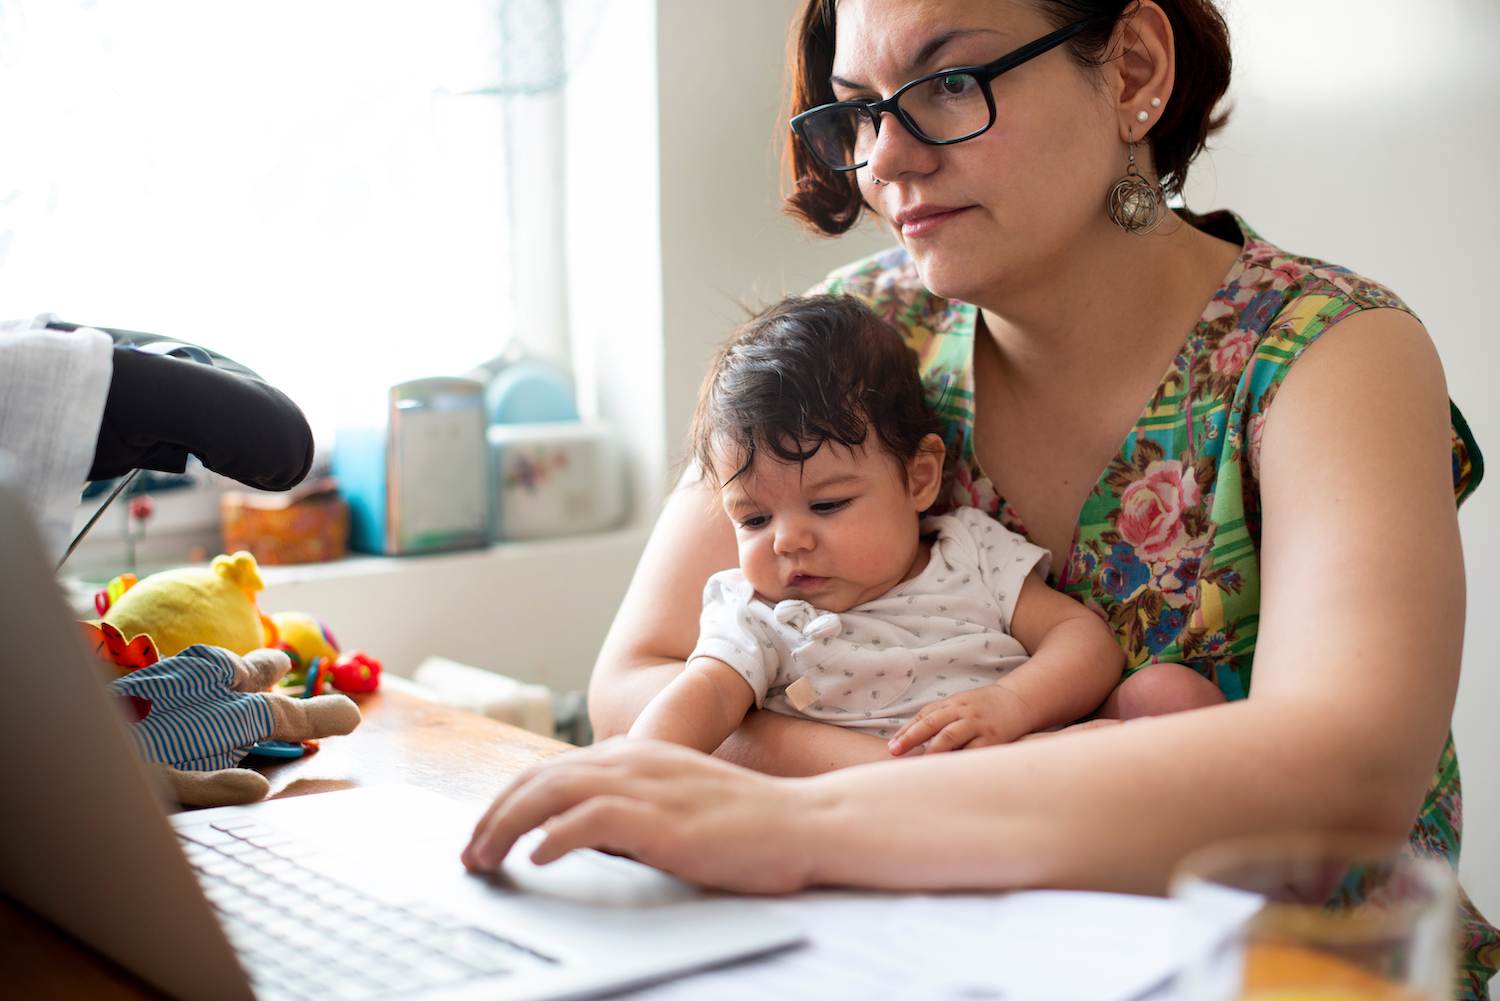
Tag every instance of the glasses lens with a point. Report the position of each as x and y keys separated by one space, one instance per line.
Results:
x=839 y=135
x=947 y=107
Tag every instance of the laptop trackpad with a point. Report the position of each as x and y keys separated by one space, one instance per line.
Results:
x=589 y=877
x=415 y=836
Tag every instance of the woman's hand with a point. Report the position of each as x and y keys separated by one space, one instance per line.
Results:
x=713 y=823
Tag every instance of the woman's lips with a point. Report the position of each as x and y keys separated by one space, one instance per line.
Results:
x=922 y=220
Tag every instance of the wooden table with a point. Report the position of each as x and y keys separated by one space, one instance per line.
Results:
x=458 y=754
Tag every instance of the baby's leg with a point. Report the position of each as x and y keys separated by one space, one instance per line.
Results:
x=1157 y=689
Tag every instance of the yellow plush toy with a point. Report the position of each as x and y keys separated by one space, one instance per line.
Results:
x=195 y=710
x=178 y=608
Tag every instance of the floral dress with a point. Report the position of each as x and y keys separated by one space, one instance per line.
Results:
x=1167 y=546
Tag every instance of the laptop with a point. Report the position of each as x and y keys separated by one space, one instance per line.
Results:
x=350 y=895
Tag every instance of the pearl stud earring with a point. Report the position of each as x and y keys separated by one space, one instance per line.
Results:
x=1142 y=117
x=1156 y=102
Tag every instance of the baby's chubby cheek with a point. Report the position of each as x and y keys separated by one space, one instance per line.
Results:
x=761 y=572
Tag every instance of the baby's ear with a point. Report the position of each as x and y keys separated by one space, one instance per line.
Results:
x=924 y=474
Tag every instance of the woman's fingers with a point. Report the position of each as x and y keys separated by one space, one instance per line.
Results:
x=606 y=822
x=540 y=793
x=669 y=806
x=505 y=792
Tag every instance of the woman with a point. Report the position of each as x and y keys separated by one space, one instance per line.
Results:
x=1045 y=307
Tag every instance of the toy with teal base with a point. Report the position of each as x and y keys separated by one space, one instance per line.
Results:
x=278 y=749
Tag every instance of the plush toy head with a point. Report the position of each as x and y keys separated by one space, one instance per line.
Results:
x=214 y=606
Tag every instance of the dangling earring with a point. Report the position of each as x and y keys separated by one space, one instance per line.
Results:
x=1136 y=204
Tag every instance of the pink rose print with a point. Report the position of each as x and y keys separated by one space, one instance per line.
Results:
x=1151 y=510
x=1233 y=351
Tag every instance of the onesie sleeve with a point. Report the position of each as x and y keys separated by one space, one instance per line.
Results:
x=736 y=629
x=1004 y=558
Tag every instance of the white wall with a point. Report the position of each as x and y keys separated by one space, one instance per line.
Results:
x=1365 y=133
x=724 y=242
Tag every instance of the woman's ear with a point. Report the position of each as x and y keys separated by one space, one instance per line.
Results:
x=1143 y=70
x=924 y=474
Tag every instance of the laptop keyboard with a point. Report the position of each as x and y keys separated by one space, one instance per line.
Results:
x=299 y=934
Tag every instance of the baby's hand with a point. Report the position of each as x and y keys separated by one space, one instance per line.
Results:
x=975 y=718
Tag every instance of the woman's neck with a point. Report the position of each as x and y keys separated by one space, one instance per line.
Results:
x=1113 y=302
x=1066 y=361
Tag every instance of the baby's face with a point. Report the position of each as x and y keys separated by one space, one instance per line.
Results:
x=836 y=531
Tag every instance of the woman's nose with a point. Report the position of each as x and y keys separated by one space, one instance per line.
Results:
x=897 y=151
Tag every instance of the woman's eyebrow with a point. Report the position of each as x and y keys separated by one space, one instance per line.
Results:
x=925 y=55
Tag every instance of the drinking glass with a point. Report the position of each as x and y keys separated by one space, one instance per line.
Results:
x=1318 y=917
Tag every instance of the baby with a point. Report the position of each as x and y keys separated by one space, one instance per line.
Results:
x=848 y=606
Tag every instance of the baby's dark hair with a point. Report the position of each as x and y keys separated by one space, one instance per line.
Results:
x=810 y=370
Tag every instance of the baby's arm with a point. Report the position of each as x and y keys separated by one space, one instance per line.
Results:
x=1075 y=662
x=704 y=705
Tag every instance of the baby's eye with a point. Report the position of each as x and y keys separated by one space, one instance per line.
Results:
x=828 y=507
x=755 y=521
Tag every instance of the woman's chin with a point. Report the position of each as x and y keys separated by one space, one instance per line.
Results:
x=951 y=279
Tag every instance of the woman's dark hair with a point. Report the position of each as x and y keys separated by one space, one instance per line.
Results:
x=829 y=200
x=810 y=370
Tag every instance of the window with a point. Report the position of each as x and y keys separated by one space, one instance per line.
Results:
x=316 y=189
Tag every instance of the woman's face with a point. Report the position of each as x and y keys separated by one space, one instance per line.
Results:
x=1002 y=209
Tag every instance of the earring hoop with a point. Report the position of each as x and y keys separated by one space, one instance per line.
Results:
x=1135 y=204
x=878 y=182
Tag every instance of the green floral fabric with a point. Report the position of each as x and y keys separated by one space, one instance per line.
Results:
x=1167 y=546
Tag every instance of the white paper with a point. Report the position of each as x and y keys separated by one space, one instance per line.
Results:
x=1031 y=946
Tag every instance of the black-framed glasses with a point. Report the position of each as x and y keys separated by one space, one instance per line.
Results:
x=940 y=109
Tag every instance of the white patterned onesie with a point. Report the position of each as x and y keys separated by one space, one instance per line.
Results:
x=875 y=666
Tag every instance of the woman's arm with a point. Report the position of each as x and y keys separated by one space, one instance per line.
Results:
x=657 y=627
x=1355 y=674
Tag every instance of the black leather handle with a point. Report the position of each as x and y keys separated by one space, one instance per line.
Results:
x=161 y=407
